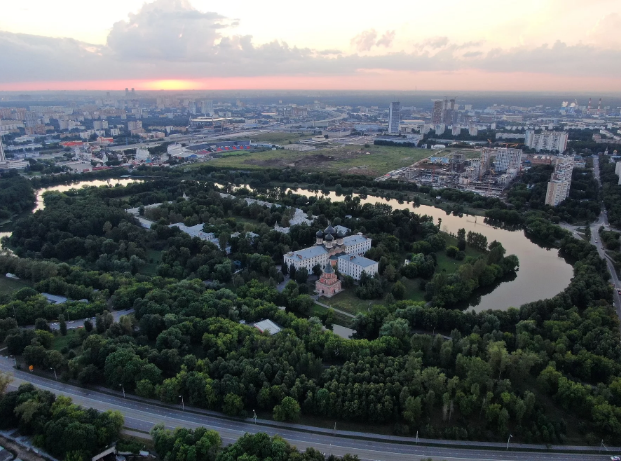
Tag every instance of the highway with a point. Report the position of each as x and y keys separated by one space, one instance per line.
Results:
x=142 y=416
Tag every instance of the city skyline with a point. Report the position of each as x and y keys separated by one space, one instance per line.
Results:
x=183 y=45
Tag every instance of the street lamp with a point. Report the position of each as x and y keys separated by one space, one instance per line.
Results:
x=255 y=416
x=55 y=377
x=508 y=440
x=123 y=388
x=182 y=403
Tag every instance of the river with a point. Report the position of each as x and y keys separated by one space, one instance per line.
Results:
x=543 y=273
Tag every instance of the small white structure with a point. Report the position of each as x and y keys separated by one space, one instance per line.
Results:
x=354 y=266
x=267 y=326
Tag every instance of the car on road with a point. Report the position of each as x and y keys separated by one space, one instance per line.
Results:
x=615 y=458
x=619 y=291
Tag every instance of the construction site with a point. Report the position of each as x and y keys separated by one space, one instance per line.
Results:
x=487 y=171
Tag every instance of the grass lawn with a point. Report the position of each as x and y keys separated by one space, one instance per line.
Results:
x=339 y=319
x=10 y=285
x=347 y=301
x=344 y=159
x=61 y=341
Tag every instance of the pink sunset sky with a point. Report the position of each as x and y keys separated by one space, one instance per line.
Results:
x=479 y=45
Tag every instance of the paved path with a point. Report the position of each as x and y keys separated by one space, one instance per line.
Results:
x=142 y=415
x=346 y=314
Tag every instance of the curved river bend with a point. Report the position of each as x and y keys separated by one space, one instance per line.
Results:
x=543 y=273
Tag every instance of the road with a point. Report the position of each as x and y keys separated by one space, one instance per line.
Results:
x=143 y=415
x=602 y=220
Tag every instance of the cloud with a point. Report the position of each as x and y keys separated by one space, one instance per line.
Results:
x=168 y=29
x=367 y=39
x=606 y=32
x=169 y=39
x=386 y=39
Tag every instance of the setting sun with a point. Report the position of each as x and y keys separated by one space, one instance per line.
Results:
x=171 y=85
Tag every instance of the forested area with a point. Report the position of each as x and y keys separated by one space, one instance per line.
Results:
x=547 y=372
x=16 y=195
x=529 y=193
x=205 y=445
x=63 y=429
x=611 y=190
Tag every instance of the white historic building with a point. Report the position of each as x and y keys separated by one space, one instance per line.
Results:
x=328 y=247
x=354 y=266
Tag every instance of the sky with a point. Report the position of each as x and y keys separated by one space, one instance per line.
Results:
x=503 y=45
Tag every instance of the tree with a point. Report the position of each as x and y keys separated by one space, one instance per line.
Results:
x=317 y=270
x=88 y=325
x=62 y=325
x=301 y=275
x=284 y=269
x=41 y=324
x=292 y=271
x=398 y=290
x=232 y=405
x=223 y=239
x=5 y=380
x=413 y=410
x=288 y=410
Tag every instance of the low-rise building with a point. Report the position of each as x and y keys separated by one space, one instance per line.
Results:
x=354 y=266
x=328 y=245
x=328 y=284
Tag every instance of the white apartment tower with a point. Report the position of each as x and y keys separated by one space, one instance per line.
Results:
x=560 y=182
x=394 y=117
x=506 y=158
x=2 y=156
x=547 y=141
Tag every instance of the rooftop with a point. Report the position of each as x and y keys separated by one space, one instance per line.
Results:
x=353 y=239
x=309 y=252
x=359 y=260
x=267 y=325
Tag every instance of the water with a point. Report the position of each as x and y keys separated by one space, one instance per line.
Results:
x=543 y=273
x=40 y=204
x=78 y=185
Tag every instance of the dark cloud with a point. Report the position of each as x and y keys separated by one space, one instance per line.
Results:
x=169 y=39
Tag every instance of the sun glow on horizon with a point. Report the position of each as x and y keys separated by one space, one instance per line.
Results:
x=169 y=85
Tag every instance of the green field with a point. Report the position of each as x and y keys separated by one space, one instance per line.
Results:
x=61 y=341
x=371 y=161
x=10 y=285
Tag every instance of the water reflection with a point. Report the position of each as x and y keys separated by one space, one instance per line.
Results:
x=78 y=185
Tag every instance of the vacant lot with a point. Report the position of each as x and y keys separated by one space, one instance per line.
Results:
x=371 y=161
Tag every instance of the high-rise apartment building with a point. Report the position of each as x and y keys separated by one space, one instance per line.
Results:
x=444 y=111
x=438 y=112
x=547 y=140
x=207 y=107
x=2 y=156
x=560 y=182
x=506 y=158
x=394 y=117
